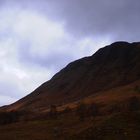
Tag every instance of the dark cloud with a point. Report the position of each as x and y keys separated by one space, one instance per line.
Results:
x=119 y=19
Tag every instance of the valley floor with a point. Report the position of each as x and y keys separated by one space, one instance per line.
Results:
x=120 y=126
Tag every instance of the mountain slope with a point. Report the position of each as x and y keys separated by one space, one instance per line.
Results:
x=115 y=65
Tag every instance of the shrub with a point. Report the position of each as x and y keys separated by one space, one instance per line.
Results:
x=81 y=110
x=53 y=111
x=93 y=110
x=116 y=108
x=137 y=89
x=133 y=103
x=67 y=109
x=9 y=117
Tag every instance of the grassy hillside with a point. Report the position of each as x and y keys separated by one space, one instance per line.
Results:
x=117 y=118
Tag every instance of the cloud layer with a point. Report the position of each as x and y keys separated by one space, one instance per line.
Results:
x=118 y=19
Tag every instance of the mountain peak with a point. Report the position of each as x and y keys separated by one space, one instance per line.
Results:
x=120 y=43
x=120 y=49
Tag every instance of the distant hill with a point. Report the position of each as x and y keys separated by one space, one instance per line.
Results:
x=110 y=67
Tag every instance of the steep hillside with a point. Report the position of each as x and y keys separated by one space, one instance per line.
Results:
x=96 y=97
x=112 y=66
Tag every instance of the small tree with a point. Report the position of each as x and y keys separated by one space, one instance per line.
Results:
x=93 y=110
x=81 y=111
x=53 y=111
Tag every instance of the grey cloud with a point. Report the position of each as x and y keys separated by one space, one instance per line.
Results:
x=7 y=88
x=118 y=19
x=51 y=61
x=98 y=17
x=95 y=17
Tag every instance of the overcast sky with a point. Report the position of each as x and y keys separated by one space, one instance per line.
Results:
x=40 y=37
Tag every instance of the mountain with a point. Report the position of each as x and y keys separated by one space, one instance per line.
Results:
x=93 y=98
x=110 y=67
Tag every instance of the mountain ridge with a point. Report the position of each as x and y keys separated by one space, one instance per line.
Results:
x=111 y=66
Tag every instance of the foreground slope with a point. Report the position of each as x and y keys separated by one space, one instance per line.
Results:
x=115 y=65
x=125 y=126
x=107 y=125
